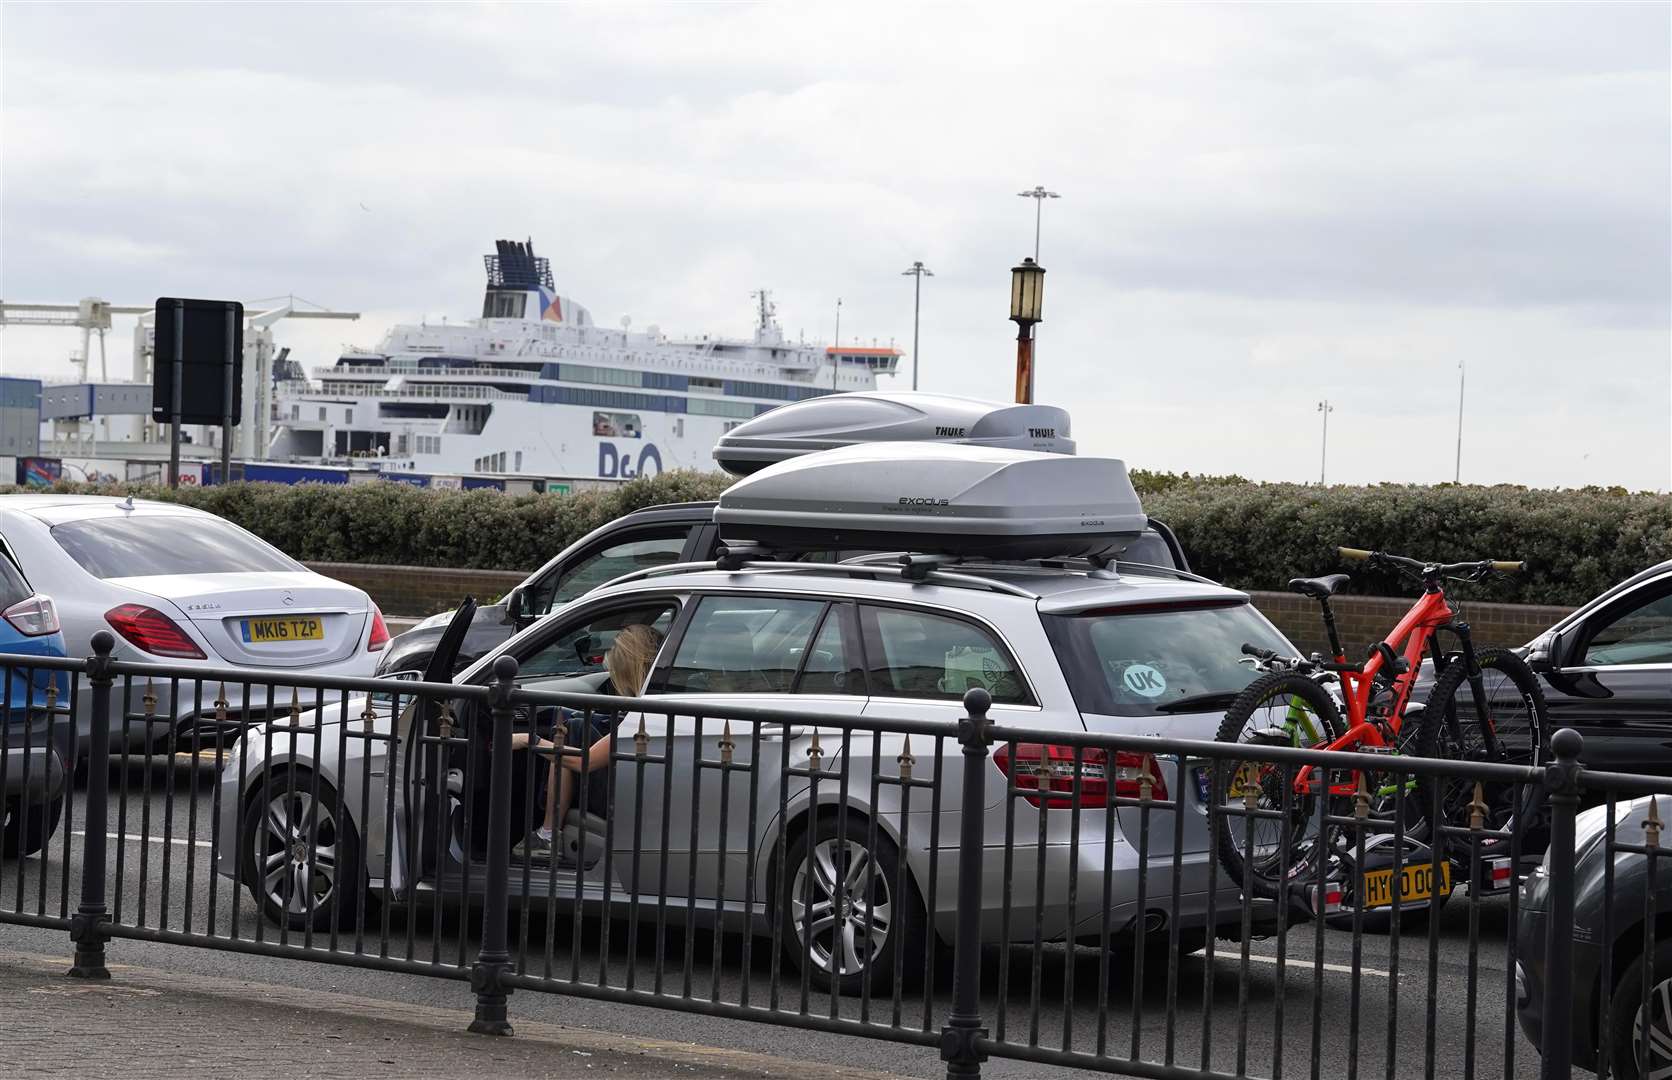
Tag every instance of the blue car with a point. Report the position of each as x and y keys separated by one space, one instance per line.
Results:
x=37 y=740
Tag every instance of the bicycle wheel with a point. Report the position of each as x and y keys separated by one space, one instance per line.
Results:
x=1452 y=728
x=1280 y=709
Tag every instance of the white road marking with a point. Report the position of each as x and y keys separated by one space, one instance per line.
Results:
x=152 y=839
x=1302 y=963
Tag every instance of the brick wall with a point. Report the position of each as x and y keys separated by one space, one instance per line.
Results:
x=425 y=590
x=1364 y=620
x=421 y=590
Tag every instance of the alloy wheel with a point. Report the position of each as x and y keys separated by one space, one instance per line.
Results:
x=1651 y=1033
x=297 y=853
x=846 y=909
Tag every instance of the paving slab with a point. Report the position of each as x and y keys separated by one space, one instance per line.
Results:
x=147 y=1024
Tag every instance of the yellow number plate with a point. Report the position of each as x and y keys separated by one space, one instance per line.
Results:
x=300 y=628
x=1416 y=883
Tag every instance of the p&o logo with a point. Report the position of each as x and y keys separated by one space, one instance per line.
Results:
x=615 y=462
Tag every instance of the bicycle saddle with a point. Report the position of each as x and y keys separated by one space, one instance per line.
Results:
x=1319 y=587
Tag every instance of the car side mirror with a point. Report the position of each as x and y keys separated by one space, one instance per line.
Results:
x=514 y=606
x=583 y=649
x=1550 y=653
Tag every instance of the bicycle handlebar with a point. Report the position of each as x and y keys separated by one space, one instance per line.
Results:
x=1500 y=566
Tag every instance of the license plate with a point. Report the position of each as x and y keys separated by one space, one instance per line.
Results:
x=294 y=628
x=1416 y=883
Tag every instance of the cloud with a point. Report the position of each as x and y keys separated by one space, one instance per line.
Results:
x=1262 y=205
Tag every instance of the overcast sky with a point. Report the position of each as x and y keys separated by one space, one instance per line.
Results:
x=1262 y=206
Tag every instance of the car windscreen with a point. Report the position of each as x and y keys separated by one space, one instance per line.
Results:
x=1148 y=660
x=166 y=544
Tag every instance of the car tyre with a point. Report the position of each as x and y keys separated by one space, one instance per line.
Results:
x=1626 y=1014
x=27 y=829
x=874 y=886
x=301 y=859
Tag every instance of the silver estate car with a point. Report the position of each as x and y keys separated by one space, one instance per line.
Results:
x=1057 y=648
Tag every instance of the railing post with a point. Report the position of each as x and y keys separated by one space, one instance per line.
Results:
x=1562 y=778
x=494 y=959
x=963 y=1029
x=87 y=925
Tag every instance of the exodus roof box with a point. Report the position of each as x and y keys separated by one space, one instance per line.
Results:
x=937 y=498
x=846 y=419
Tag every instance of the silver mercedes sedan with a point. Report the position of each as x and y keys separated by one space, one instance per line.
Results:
x=791 y=764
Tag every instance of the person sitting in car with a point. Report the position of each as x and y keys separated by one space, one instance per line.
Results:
x=628 y=662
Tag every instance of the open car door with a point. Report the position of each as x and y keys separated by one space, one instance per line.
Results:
x=428 y=805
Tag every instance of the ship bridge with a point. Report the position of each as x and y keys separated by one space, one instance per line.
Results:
x=879 y=361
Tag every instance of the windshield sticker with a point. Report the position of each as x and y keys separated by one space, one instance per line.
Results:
x=1145 y=680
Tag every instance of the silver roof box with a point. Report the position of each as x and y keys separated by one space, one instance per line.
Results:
x=937 y=498
x=823 y=423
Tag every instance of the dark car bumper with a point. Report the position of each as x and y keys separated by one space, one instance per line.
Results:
x=1532 y=983
x=35 y=773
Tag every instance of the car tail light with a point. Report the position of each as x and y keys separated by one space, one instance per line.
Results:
x=151 y=631
x=1045 y=767
x=33 y=617
x=380 y=632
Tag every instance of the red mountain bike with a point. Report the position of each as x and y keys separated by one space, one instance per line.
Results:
x=1484 y=705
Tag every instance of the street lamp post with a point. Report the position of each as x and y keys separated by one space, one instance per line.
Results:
x=1457 y=476
x=1323 y=457
x=836 y=356
x=1027 y=294
x=1038 y=195
x=918 y=271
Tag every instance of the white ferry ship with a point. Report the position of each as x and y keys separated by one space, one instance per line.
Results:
x=535 y=388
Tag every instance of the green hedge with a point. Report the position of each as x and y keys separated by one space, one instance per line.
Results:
x=1576 y=543
x=398 y=524
x=1254 y=536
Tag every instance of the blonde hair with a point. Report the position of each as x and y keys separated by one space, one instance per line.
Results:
x=630 y=657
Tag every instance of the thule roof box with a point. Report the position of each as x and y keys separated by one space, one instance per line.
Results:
x=934 y=498
x=846 y=419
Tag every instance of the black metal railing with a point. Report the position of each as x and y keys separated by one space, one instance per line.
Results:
x=985 y=888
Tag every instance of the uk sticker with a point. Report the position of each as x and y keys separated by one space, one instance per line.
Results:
x=1145 y=680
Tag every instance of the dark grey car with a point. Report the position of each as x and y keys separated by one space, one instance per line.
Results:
x=1605 y=923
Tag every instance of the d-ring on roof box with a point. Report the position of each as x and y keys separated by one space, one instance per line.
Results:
x=937 y=498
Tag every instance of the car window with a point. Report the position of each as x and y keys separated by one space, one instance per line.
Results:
x=603 y=564
x=139 y=546
x=1139 y=662
x=829 y=669
x=1150 y=549
x=578 y=648
x=916 y=654
x=1639 y=635
x=741 y=645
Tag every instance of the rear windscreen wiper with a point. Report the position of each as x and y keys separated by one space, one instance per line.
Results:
x=1216 y=701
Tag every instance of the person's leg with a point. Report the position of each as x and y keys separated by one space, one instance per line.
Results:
x=565 y=795
x=553 y=794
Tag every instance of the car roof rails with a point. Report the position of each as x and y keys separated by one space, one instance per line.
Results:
x=1107 y=569
x=930 y=569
